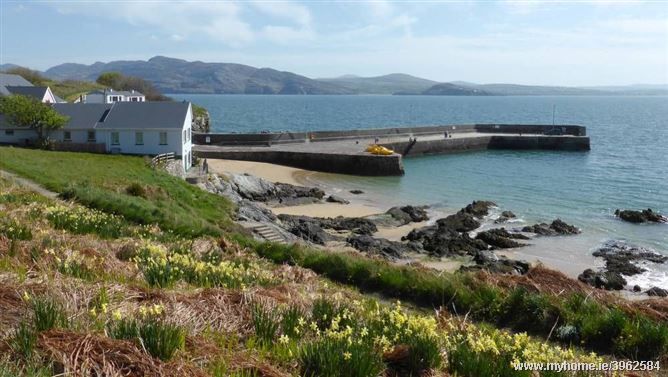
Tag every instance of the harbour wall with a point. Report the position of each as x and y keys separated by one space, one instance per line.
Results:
x=354 y=164
x=302 y=137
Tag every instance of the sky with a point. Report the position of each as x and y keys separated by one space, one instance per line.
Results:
x=565 y=42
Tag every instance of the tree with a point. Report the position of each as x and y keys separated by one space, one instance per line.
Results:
x=22 y=111
x=34 y=77
x=110 y=79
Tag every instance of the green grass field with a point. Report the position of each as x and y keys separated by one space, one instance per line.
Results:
x=126 y=186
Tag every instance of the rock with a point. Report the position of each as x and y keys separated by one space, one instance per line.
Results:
x=386 y=248
x=261 y=190
x=408 y=214
x=656 y=291
x=619 y=256
x=505 y=217
x=313 y=228
x=460 y=221
x=487 y=260
x=636 y=288
x=337 y=199
x=356 y=192
x=603 y=279
x=556 y=228
x=644 y=216
x=501 y=238
x=445 y=241
x=479 y=208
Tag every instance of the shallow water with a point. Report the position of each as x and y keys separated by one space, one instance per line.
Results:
x=626 y=168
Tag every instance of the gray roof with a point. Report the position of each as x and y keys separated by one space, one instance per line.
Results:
x=146 y=115
x=117 y=92
x=29 y=91
x=7 y=79
x=82 y=116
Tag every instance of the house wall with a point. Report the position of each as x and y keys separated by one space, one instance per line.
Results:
x=94 y=98
x=78 y=136
x=151 y=144
x=18 y=138
x=48 y=96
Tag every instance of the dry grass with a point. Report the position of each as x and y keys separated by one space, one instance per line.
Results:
x=97 y=355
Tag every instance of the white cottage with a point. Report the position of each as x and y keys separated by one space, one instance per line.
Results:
x=142 y=128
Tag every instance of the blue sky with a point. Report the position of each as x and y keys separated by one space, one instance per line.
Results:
x=524 y=41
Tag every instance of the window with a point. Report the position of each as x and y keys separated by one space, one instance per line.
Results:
x=9 y=132
x=134 y=99
x=91 y=136
x=139 y=138
x=67 y=136
x=163 y=138
x=115 y=140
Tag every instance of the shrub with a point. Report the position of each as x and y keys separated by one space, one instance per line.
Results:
x=135 y=189
x=75 y=265
x=48 y=314
x=265 y=323
x=14 y=230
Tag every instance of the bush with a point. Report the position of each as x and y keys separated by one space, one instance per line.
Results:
x=290 y=321
x=135 y=189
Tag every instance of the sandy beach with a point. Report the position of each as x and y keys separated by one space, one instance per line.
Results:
x=293 y=176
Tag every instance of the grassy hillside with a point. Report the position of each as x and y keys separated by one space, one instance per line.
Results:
x=77 y=300
x=70 y=90
x=142 y=273
x=125 y=186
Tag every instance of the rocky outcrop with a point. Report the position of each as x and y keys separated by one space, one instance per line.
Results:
x=398 y=216
x=502 y=239
x=479 y=208
x=440 y=240
x=313 y=229
x=556 y=228
x=656 y=291
x=603 y=279
x=380 y=246
x=356 y=192
x=201 y=121
x=460 y=221
x=505 y=217
x=620 y=260
x=261 y=190
x=638 y=217
x=336 y=199
x=619 y=256
x=487 y=260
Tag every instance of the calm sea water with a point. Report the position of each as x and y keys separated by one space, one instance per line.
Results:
x=626 y=168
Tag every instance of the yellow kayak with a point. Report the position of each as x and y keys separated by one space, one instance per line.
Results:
x=379 y=149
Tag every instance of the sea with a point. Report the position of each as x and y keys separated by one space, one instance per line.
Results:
x=627 y=166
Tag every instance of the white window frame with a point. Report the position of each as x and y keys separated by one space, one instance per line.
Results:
x=91 y=139
x=139 y=138
x=115 y=138
x=160 y=138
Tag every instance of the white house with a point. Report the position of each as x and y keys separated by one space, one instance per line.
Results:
x=111 y=96
x=143 y=128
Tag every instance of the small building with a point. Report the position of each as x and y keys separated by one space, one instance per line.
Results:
x=140 y=128
x=15 y=84
x=111 y=96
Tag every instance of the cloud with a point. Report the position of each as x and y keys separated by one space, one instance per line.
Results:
x=219 y=21
x=285 y=10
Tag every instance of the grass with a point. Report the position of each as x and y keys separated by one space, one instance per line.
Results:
x=598 y=327
x=48 y=314
x=159 y=338
x=101 y=181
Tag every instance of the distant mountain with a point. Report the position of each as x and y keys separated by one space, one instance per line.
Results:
x=450 y=89
x=537 y=90
x=387 y=84
x=180 y=76
x=8 y=66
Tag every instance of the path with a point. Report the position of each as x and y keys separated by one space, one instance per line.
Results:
x=31 y=185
